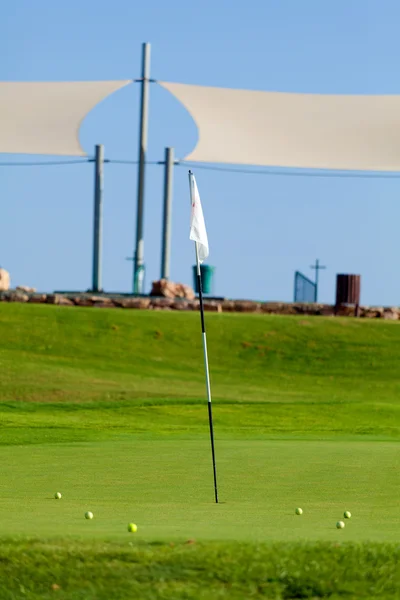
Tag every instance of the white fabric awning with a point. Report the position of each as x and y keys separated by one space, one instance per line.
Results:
x=44 y=118
x=293 y=130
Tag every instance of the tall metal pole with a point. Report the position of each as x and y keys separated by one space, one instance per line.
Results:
x=166 y=233
x=138 y=264
x=98 y=217
x=316 y=279
x=317 y=268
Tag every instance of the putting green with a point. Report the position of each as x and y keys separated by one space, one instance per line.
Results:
x=165 y=487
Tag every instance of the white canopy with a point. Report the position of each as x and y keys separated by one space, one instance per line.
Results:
x=293 y=130
x=44 y=118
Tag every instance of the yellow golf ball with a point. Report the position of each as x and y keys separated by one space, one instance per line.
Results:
x=347 y=514
x=132 y=528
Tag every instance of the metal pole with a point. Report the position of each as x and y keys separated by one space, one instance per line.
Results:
x=166 y=234
x=97 y=224
x=317 y=268
x=205 y=353
x=138 y=265
x=316 y=279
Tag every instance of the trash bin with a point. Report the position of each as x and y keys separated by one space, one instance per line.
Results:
x=207 y=274
x=348 y=291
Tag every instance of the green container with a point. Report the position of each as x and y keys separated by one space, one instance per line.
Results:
x=207 y=274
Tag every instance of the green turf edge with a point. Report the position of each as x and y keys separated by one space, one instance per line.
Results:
x=37 y=569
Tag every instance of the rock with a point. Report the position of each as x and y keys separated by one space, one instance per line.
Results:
x=185 y=304
x=185 y=291
x=372 y=312
x=228 y=306
x=82 y=301
x=14 y=296
x=392 y=314
x=325 y=310
x=345 y=310
x=64 y=301
x=163 y=288
x=181 y=298
x=312 y=309
x=26 y=289
x=300 y=308
x=4 y=280
x=193 y=304
x=38 y=299
x=276 y=308
x=98 y=299
x=104 y=305
x=102 y=302
x=181 y=305
x=139 y=303
x=213 y=306
x=161 y=303
x=59 y=299
x=168 y=289
x=246 y=306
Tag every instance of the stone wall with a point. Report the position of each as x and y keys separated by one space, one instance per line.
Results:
x=220 y=306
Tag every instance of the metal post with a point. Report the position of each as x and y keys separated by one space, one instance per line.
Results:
x=317 y=268
x=166 y=234
x=316 y=279
x=138 y=264
x=97 y=224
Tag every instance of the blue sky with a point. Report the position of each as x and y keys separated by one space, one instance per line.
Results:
x=261 y=227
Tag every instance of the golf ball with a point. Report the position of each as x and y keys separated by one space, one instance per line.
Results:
x=57 y=496
x=347 y=514
x=132 y=528
x=340 y=525
x=299 y=511
x=88 y=515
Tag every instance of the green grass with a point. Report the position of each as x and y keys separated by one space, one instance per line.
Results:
x=165 y=486
x=137 y=371
x=108 y=407
x=101 y=571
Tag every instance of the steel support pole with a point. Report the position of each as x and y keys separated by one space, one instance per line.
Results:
x=138 y=263
x=98 y=217
x=316 y=279
x=166 y=232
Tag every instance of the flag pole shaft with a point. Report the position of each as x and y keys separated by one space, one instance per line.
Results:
x=207 y=372
x=205 y=353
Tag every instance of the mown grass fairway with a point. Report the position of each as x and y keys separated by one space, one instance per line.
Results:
x=107 y=407
x=165 y=488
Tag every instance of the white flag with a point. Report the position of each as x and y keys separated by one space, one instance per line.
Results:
x=198 y=231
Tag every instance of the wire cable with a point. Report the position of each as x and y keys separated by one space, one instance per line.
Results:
x=131 y=162
x=50 y=163
x=288 y=173
x=243 y=170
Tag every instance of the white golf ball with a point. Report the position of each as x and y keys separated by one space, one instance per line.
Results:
x=347 y=514
x=299 y=511
x=57 y=496
x=88 y=515
x=340 y=525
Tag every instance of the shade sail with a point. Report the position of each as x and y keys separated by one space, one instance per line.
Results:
x=44 y=118
x=293 y=130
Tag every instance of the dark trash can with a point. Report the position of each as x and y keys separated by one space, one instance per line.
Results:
x=207 y=274
x=348 y=291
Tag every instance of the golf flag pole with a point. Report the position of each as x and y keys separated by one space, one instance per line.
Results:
x=198 y=234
